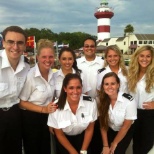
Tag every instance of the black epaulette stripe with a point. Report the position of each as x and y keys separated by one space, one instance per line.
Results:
x=26 y=60
x=128 y=96
x=87 y=98
x=101 y=70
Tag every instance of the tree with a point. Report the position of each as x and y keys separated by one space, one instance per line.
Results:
x=128 y=29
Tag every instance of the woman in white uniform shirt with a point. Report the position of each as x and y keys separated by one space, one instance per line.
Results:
x=114 y=62
x=141 y=86
x=68 y=64
x=117 y=112
x=36 y=100
x=73 y=122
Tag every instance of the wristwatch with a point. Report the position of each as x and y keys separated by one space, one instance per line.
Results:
x=83 y=152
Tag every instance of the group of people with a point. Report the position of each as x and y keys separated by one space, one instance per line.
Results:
x=90 y=105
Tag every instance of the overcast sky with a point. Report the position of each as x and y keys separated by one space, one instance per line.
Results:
x=77 y=15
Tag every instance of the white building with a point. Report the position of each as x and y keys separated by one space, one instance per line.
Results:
x=129 y=43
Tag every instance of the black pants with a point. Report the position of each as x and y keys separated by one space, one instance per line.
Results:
x=124 y=143
x=10 y=131
x=143 y=139
x=36 y=136
x=76 y=142
x=96 y=142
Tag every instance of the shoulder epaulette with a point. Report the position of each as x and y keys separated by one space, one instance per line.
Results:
x=26 y=60
x=101 y=70
x=128 y=96
x=87 y=98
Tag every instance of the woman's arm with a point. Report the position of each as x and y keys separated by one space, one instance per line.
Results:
x=64 y=141
x=121 y=134
x=105 y=149
x=51 y=107
x=88 y=136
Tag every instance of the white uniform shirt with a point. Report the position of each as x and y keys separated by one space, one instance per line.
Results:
x=123 y=109
x=11 y=82
x=141 y=95
x=90 y=69
x=123 y=80
x=74 y=124
x=59 y=77
x=36 y=89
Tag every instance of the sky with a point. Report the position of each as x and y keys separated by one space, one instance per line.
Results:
x=77 y=15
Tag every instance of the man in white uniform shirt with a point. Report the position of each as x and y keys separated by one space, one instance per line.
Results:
x=13 y=71
x=90 y=64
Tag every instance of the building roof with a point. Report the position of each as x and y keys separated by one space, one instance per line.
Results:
x=120 y=39
x=145 y=36
x=106 y=40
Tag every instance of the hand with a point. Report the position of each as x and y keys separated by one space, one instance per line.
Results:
x=113 y=147
x=74 y=152
x=50 y=108
x=148 y=105
x=106 y=150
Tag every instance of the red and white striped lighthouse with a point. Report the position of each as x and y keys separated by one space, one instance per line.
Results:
x=103 y=14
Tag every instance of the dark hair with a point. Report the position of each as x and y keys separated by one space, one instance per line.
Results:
x=90 y=38
x=105 y=101
x=62 y=98
x=14 y=29
x=66 y=49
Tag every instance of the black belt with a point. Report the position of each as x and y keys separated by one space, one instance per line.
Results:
x=8 y=108
x=5 y=108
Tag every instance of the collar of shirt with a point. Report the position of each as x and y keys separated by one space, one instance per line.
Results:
x=60 y=72
x=96 y=60
x=38 y=74
x=109 y=69
x=119 y=99
x=6 y=63
x=67 y=107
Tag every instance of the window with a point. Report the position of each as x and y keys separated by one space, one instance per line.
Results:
x=131 y=42
x=135 y=42
x=150 y=42
x=106 y=44
x=140 y=42
x=124 y=43
x=145 y=42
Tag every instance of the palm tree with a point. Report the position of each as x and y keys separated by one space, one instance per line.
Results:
x=128 y=29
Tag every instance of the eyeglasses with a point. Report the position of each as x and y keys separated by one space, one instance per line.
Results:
x=89 y=46
x=11 y=43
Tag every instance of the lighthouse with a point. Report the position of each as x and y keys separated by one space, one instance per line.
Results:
x=103 y=14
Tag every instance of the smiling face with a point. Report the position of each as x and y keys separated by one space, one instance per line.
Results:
x=111 y=86
x=73 y=90
x=66 y=60
x=14 y=45
x=89 y=49
x=144 y=59
x=45 y=58
x=112 y=58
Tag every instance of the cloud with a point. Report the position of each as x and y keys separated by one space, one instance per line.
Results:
x=72 y=16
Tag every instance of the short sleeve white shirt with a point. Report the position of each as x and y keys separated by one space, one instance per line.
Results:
x=59 y=77
x=11 y=82
x=73 y=124
x=90 y=68
x=123 y=109
x=36 y=89
x=141 y=95
x=123 y=80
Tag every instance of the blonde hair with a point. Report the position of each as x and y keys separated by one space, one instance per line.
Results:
x=134 y=69
x=44 y=43
x=121 y=60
